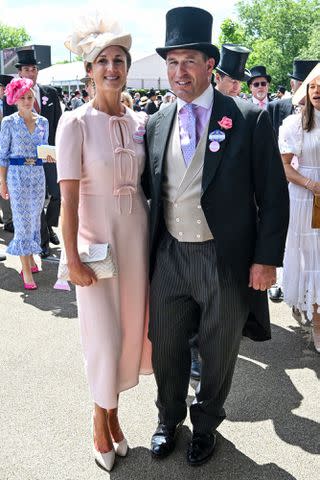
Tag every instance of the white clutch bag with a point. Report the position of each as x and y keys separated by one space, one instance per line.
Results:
x=97 y=256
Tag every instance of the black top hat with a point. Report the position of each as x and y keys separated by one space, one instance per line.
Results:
x=190 y=28
x=5 y=79
x=233 y=61
x=26 y=57
x=151 y=93
x=281 y=89
x=259 y=71
x=302 y=68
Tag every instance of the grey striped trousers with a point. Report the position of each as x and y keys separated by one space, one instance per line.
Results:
x=188 y=295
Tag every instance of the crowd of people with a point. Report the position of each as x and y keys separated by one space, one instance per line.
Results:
x=189 y=194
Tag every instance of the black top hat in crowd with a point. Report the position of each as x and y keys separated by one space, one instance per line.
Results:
x=26 y=57
x=233 y=61
x=5 y=79
x=259 y=71
x=302 y=68
x=190 y=28
x=281 y=89
x=151 y=93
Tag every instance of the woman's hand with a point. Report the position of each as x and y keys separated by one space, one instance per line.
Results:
x=4 y=190
x=82 y=275
x=315 y=187
x=50 y=159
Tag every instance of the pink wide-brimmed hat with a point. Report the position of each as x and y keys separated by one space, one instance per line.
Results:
x=17 y=88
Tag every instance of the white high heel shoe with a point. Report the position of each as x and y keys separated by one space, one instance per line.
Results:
x=105 y=460
x=121 y=448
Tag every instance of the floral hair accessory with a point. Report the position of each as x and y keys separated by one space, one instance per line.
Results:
x=17 y=88
x=225 y=123
x=139 y=134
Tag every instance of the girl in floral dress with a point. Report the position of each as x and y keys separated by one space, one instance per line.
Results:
x=22 y=175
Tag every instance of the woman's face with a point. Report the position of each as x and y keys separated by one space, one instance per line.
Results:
x=109 y=70
x=26 y=101
x=314 y=92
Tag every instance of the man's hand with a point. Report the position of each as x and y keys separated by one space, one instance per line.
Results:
x=262 y=277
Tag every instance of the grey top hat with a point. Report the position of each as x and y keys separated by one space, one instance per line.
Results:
x=233 y=61
x=190 y=28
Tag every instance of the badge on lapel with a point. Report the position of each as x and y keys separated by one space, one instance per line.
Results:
x=218 y=136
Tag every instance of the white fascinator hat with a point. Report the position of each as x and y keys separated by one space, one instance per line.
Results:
x=93 y=33
x=302 y=90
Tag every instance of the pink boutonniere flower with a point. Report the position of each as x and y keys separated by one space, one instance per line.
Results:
x=225 y=123
x=45 y=100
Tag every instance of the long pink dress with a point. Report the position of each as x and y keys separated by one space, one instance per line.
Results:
x=99 y=150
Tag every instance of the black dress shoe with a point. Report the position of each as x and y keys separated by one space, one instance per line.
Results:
x=9 y=227
x=195 y=371
x=45 y=252
x=163 y=441
x=201 y=448
x=53 y=237
x=275 y=294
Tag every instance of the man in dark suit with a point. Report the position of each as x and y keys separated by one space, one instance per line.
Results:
x=231 y=71
x=258 y=84
x=46 y=104
x=219 y=215
x=151 y=106
x=279 y=110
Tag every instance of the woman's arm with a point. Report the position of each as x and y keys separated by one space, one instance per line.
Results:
x=80 y=274
x=294 y=176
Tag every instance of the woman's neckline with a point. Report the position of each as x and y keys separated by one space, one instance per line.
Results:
x=90 y=104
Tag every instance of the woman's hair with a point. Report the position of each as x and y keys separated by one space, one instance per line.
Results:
x=127 y=98
x=88 y=65
x=308 y=114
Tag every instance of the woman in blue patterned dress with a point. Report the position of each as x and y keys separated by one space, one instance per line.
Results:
x=22 y=175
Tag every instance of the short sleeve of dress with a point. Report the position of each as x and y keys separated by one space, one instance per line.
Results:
x=5 y=142
x=290 y=135
x=69 y=141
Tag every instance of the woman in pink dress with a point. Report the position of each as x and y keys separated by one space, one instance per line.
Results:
x=100 y=159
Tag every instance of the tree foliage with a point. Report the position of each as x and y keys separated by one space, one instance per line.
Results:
x=12 y=37
x=277 y=31
x=312 y=50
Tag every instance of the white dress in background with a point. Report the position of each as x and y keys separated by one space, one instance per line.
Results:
x=301 y=269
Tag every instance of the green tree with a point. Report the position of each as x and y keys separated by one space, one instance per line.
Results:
x=275 y=30
x=12 y=37
x=231 y=32
x=312 y=50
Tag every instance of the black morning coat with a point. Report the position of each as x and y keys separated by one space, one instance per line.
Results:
x=244 y=196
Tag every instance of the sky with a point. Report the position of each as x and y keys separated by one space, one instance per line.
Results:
x=49 y=23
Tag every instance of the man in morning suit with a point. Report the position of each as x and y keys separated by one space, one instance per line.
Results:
x=231 y=71
x=46 y=104
x=279 y=110
x=219 y=214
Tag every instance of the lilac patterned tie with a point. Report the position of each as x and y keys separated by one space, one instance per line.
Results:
x=188 y=139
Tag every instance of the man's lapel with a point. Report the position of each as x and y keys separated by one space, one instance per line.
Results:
x=162 y=131
x=222 y=107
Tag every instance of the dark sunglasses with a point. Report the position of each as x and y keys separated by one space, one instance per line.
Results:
x=257 y=84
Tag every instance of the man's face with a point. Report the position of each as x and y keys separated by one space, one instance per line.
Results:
x=29 y=71
x=259 y=88
x=189 y=73
x=228 y=85
x=295 y=84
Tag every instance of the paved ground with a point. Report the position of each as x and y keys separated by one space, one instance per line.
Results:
x=272 y=431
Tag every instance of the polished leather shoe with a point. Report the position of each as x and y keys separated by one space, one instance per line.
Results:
x=195 y=371
x=45 y=252
x=201 y=448
x=275 y=294
x=53 y=237
x=8 y=227
x=163 y=441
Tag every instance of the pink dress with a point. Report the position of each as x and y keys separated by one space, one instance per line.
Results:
x=99 y=150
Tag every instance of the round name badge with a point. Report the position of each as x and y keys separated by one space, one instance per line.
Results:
x=217 y=135
x=214 y=146
x=137 y=138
